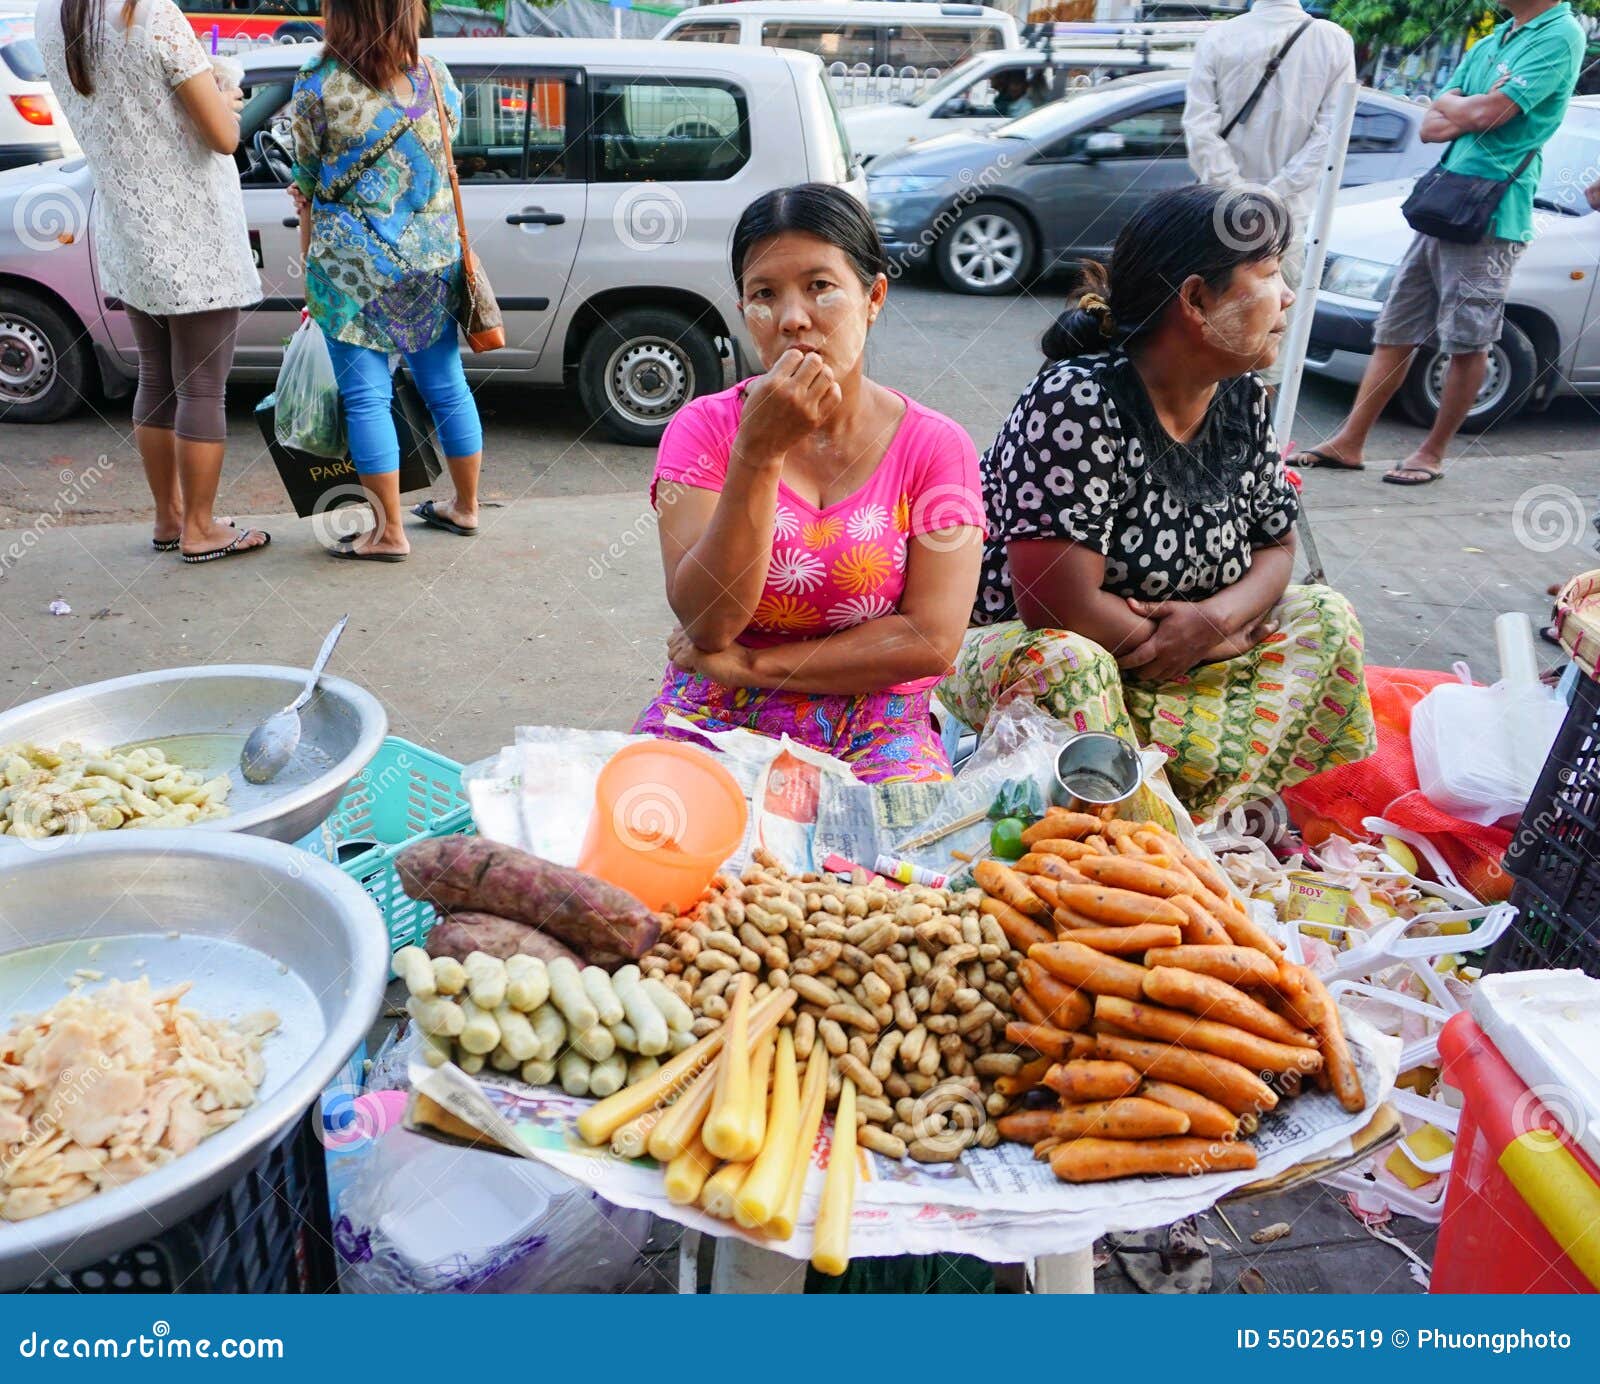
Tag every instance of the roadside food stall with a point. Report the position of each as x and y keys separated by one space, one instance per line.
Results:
x=732 y=989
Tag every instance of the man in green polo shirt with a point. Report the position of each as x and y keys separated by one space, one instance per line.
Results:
x=1505 y=100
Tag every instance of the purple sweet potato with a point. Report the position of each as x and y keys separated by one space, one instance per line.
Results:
x=466 y=874
x=461 y=934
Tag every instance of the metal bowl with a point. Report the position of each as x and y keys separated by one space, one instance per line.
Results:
x=204 y=714
x=254 y=925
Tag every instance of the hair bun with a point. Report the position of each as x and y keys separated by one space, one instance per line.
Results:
x=1097 y=307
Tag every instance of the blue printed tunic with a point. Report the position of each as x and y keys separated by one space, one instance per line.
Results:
x=384 y=268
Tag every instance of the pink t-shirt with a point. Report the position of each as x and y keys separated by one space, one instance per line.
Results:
x=840 y=566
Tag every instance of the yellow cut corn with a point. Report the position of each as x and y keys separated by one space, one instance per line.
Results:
x=813 y=1096
x=603 y=1119
x=763 y=1190
x=726 y=1122
x=687 y=1114
x=717 y=1197
x=680 y=1126
x=687 y=1173
x=755 y=1129
x=830 y=1248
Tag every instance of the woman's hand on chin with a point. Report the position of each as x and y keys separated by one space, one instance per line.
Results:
x=731 y=666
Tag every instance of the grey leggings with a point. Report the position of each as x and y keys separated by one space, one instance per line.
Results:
x=183 y=364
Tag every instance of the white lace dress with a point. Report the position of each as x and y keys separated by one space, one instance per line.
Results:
x=168 y=222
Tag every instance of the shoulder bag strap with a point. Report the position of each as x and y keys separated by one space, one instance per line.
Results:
x=1266 y=79
x=450 y=163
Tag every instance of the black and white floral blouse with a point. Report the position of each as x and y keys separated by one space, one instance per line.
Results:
x=1082 y=458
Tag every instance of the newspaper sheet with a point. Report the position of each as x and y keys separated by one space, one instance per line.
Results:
x=999 y=1204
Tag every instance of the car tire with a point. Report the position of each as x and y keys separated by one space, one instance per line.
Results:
x=639 y=367
x=989 y=251
x=1507 y=387
x=44 y=363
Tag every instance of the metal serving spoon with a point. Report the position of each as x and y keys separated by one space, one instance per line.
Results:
x=272 y=744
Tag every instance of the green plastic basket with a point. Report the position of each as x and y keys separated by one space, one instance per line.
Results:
x=406 y=794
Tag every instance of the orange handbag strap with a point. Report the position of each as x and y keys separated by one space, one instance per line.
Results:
x=449 y=161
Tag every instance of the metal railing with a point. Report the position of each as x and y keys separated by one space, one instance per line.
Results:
x=861 y=84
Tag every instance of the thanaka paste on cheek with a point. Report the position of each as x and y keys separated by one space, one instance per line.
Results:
x=832 y=298
x=758 y=313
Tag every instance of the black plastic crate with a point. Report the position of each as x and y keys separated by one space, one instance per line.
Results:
x=1555 y=853
x=268 y=1233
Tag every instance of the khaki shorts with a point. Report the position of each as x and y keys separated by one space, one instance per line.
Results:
x=1452 y=295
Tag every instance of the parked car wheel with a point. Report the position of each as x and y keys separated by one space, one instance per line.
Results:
x=44 y=366
x=640 y=367
x=990 y=250
x=1507 y=383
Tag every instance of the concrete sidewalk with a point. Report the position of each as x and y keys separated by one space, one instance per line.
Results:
x=555 y=614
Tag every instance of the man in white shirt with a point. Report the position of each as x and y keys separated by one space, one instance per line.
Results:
x=1282 y=142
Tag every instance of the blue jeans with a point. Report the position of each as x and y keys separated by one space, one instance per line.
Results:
x=367 y=391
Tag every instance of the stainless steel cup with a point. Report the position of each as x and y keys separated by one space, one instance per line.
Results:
x=1095 y=769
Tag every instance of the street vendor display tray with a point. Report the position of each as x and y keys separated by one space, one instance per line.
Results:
x=1000 y=1204
x=253 y=925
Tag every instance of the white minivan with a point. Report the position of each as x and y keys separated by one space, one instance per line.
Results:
x=601 y=180
x=990 y=89
x=874 y=50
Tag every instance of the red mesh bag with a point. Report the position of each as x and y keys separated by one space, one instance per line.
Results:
x=1385 y=785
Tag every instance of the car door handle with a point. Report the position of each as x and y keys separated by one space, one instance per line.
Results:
x=536 y=216
x=291 y=222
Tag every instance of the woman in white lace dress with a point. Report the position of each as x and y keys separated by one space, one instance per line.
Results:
x=170 y=236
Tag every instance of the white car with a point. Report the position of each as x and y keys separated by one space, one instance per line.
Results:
x=986 y=91
x=32 y=128
x=1550 y=344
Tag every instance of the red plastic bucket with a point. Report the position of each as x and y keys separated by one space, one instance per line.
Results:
x=1522 y=1214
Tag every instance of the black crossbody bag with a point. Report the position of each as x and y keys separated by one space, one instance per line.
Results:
x=1458 y=207
x=1243 y=113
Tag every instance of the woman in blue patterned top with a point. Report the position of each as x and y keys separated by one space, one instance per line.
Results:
x=382 y=251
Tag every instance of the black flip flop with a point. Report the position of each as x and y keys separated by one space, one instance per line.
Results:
x=232 y=550
x=431 y=517
x=1313 y=460
x=171 y=545
x=1412 y=475
x=351 y=555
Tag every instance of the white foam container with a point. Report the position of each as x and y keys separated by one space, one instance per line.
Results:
x=1546 y=1024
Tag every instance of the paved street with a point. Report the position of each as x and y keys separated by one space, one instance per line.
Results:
x=555 y=613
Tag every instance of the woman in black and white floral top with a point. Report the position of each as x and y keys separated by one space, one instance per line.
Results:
x=1141 y=524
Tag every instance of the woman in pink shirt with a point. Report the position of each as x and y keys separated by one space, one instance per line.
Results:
x=821 y=532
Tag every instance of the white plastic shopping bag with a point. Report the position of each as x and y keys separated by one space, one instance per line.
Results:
x=307 y=415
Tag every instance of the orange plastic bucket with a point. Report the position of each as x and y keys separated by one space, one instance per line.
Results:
x=666 y=816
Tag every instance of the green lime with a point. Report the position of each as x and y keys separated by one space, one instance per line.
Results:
x=1005 y=838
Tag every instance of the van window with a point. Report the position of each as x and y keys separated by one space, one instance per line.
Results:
x=707 y=33
x=937 y=45
x=1376 y=131
x=851 y=44
x=663 y=129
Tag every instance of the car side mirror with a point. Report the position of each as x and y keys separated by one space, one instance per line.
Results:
x=1103 y=144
